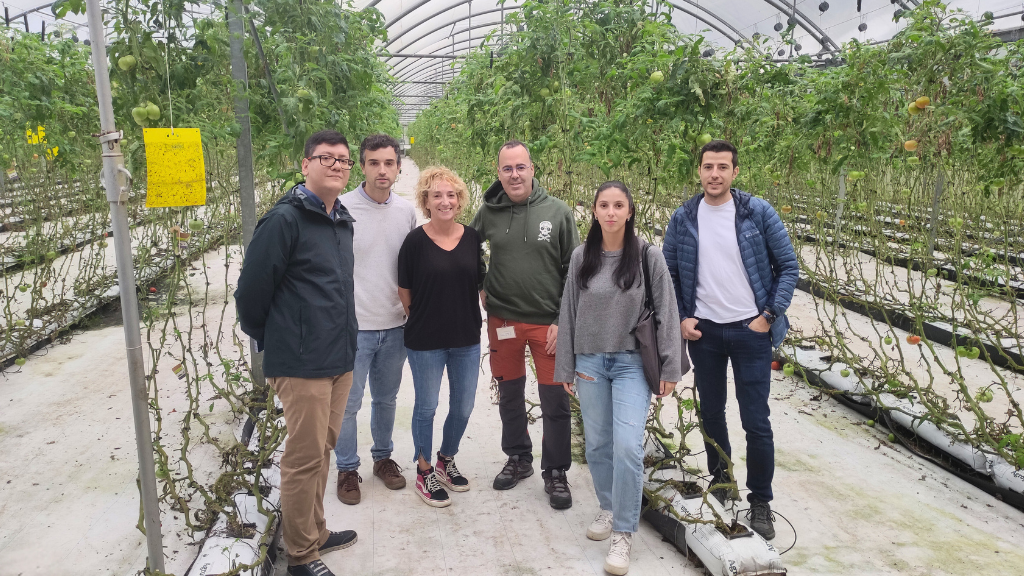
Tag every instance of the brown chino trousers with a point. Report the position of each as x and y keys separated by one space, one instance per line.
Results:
x=313 y=409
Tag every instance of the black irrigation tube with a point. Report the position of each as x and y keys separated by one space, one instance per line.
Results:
x=998 y=355
x=971 y=250
x=919 y=447
x=947 y=272
x=10 y=354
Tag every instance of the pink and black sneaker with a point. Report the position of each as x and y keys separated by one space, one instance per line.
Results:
x=448 y=474
x=429 y=489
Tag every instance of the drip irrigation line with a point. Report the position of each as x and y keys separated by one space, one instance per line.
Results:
x=954 y=467
x=773 y=513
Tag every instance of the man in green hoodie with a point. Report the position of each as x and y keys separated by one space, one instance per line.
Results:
x=532 y=236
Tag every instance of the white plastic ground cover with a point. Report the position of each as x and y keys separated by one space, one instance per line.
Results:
x=749 y=555
x=909 y=415
x=221 y=553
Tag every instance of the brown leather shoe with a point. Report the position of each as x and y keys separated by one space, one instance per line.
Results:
x=388 y=471
x=348 y=487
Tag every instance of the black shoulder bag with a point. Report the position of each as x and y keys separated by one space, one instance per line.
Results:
x=646 y=333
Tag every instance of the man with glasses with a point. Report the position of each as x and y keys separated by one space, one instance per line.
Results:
x=383 y=221
x=532 y=236
x=295 y=298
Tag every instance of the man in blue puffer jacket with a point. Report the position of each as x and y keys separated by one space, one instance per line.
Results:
x=734 y=281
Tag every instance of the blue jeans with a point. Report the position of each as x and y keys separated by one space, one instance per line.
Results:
x=463 y=370
x=380 y=355
x=614 y=400
x=751 y=356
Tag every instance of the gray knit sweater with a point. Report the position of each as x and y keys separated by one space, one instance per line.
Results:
x=600 y=318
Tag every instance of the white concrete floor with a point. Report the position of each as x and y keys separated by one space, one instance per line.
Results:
x=68 y=501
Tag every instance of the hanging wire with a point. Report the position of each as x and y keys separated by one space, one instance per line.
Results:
x=167 y=65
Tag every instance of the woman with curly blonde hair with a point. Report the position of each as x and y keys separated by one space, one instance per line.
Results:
x=440 y=274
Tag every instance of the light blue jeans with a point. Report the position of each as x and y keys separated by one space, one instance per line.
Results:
x=427 y=367
x=614 y=400
x=380 y=356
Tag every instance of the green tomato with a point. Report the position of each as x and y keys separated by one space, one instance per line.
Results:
x=931 y=272
x=788 y=369
x=140 y=115
x=303 y=93
x=657 y=77
x=289 y=185
x=24 y=287
x=906 y=192
x=544 y=92
x=555 y=86
x=102 y=244
x=913 y=161
x=152 y=111
x=957 y=222
x=870 y=422
x=195 y=225
x=126 y=63
x=19 y=361
x=892 y=438
x=962 y=351
x=72 y=134
x=985 y=396
x=887 y=340
x=845 y=373
x=974 y=353
x=999 y=183
x=19 y=323
x=703 y=139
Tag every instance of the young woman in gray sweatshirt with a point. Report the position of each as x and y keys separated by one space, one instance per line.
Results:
x=603 y=299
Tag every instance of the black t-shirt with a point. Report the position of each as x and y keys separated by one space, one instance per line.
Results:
x=445 y=285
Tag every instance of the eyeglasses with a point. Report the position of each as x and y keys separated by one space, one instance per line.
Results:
x=508 y=170
x=328 y=161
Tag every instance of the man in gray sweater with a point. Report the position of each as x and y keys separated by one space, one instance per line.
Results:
x=383 y=219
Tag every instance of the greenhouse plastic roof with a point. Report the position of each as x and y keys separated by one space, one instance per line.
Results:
x=426 y=38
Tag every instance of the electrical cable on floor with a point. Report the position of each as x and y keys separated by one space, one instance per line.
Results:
x=774 y=513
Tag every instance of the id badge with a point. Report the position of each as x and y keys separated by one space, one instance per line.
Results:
x=506 y=332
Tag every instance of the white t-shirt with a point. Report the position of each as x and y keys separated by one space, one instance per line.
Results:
x=378 y=234
x=723 y=289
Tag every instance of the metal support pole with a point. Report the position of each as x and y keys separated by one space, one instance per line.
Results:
x=940 y=181
x=116 y=181
x=246 y=179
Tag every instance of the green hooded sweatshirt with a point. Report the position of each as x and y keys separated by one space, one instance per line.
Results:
x=531 y=246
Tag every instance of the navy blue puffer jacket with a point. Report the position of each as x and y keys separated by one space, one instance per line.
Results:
x=764 y=245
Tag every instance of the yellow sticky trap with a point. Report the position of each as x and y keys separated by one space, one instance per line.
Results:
x=174 y=167
x=412 y=139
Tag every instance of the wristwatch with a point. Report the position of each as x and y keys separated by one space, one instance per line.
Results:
x=769 y=316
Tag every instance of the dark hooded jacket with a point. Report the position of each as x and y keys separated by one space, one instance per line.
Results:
x=531 y=246
x=295 y=293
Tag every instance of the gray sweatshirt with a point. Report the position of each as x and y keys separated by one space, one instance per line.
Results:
x=600 y=318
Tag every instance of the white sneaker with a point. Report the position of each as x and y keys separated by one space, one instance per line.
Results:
x=601 y=527
x=617 y=560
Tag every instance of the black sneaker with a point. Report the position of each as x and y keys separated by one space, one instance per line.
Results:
x=338 y=541
x=557 y=487
x=514 y=471
x=314 y=568
x=448 y=474
x=761 y=518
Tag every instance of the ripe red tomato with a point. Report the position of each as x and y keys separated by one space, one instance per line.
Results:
x=913 y=339
x=776 y=365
